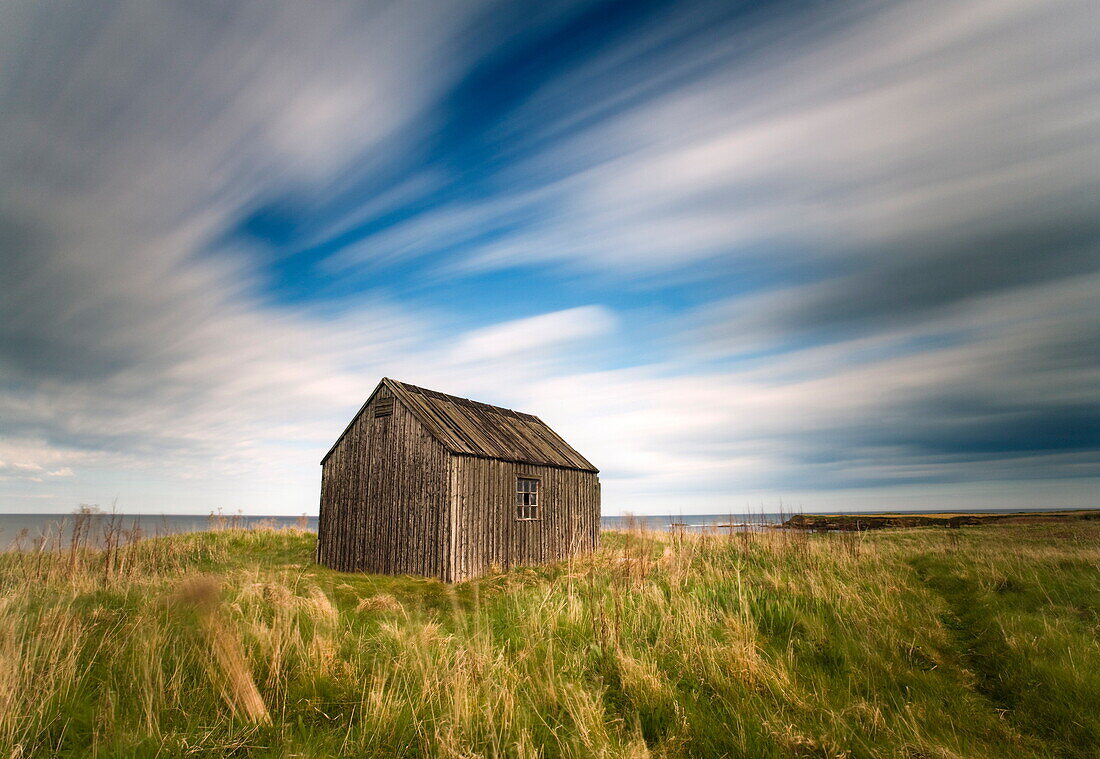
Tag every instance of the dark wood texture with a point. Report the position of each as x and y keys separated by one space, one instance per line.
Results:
x=384 y=496
x=425 y=483
x=487 y=533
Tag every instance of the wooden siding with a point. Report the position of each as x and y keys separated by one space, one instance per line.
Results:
x=384 y=496
x=397 y=499
x=485 y=531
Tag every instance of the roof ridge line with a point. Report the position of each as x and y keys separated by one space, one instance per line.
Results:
x=461 y=398
x=466 y=427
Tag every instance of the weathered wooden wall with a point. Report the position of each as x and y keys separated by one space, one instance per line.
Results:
x=485 y=530
x=384 y=503
x=395 y=500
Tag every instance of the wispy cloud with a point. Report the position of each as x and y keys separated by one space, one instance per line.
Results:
x=850 y=133
x=531 y=336
x=725 y=250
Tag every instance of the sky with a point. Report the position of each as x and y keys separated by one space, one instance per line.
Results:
x=744 y=256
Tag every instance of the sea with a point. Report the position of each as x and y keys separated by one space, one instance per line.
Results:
x=30 y=530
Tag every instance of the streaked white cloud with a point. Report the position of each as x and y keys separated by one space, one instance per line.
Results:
x=127 y=153
x=872 y=124
x=874 y=149
x=522 y=337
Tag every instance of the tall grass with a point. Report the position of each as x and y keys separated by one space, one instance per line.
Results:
x=919 y=643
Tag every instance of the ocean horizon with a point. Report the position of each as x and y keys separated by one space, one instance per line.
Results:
x=28 y=529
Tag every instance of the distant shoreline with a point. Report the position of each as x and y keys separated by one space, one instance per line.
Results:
x=883 y=520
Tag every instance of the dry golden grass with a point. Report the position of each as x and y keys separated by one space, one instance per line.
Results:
x=922 y=643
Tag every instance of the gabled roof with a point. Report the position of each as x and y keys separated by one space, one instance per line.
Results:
x=470 y=428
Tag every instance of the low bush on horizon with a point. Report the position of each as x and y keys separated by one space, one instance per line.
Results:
x=976 y=643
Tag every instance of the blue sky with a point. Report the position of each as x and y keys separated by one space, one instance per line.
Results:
x=826 y=255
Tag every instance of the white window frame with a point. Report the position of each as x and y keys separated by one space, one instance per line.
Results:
x=528 y=502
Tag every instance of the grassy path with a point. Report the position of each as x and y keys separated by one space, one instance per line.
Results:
x=975 y=633
x=1019 y=640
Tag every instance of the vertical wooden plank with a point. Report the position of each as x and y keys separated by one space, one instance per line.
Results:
x=405 y=517
x=347 y=447
x=359 y=494
x=500 y=513
x=452 y=494
x=418 y=487
x=394 y=529
x=478 y=514
x=467 y=475
x=476 y=471
x=462 y=516
x=462 y=494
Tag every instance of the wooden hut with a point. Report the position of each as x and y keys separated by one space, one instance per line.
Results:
x=429 y=484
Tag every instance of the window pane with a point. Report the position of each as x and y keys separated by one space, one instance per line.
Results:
x=527 y=489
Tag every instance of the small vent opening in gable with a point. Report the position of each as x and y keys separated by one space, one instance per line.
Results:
x=384 y=407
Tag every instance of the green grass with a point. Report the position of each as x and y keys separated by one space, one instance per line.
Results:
x=980 y=642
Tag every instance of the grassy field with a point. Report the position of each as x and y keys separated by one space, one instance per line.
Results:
x=980 y=642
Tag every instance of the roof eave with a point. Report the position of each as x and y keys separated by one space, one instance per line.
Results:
x=526 y=462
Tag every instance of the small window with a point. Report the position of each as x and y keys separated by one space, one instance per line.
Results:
x=527 y=498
